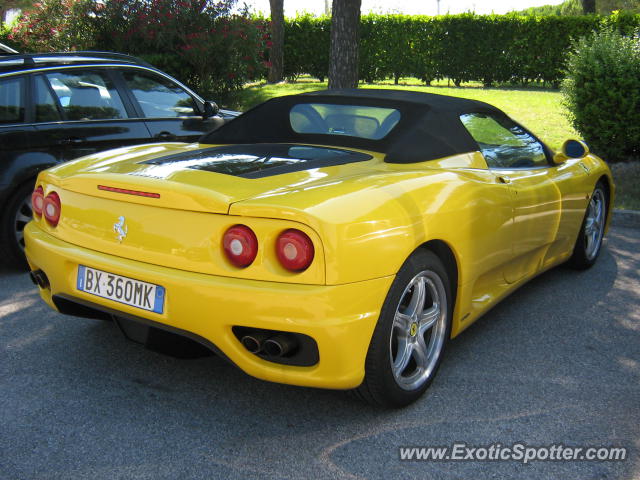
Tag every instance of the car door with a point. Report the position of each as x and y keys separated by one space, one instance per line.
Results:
x=15 y=134
x=520 y=161
x=79 y=111
x=17 y=165
x=171 y=113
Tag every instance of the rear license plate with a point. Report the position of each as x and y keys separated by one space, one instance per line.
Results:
x=146 y=296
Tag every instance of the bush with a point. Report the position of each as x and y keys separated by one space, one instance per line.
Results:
x=53 y=26
x=602 y=93
x=199 y=42
x=6 y=38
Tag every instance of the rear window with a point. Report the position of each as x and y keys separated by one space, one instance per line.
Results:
x=360 y=121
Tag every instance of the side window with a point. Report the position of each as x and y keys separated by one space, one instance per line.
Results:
x=159 y=97
x=87 y=95
x=503 y=142
x=46 y=108
x=11 y=100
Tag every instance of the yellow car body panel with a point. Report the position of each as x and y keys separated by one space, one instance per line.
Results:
x=365 y=219
x=340 y=318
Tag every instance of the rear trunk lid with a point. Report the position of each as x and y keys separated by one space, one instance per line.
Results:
x=168 y=204
x=202 y=178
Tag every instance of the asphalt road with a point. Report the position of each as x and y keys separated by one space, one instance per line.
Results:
x=556 y=363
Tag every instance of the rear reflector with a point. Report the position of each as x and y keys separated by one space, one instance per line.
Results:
x=128 y=192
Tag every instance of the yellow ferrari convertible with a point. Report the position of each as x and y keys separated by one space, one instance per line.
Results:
x=335 y=239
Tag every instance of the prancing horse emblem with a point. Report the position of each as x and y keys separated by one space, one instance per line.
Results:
x=121 y=229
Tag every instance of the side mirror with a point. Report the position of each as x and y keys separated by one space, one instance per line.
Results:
x=571 y=149
x=210 y=109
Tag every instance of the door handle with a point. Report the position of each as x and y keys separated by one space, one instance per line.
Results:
x=71 y=141
x=504 y=179
x=165 y=135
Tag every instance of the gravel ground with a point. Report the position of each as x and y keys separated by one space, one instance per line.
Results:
x=558 y=362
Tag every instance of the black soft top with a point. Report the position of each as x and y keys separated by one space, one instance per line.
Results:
x=429 y=126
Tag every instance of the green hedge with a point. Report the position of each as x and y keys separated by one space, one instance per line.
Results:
x=468 y=47
x=602 y=93
x=306 y=48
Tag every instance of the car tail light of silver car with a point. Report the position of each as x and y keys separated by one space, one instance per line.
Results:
x=240 y=245
x=37 y=201
x=294 y=250
x=52 y=208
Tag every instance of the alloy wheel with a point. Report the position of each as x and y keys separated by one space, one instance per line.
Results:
x=419 y=330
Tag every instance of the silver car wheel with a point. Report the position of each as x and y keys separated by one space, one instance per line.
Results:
x=23 y=215
x=594 y=224
x=419 y=330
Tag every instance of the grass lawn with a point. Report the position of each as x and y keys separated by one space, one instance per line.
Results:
x=539 y=109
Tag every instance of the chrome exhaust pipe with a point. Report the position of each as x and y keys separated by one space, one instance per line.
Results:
x=279 y=345
x=254 y=342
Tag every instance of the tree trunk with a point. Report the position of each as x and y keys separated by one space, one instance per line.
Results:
x=343 y=61
x=276 y=54
x=588 y=6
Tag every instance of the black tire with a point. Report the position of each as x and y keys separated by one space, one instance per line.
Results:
x=12 y=225
x=585 y=253
x=381 y=386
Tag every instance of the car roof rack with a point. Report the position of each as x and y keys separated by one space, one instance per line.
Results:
x=21 y=60
x=6 y=50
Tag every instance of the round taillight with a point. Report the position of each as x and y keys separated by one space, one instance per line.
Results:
x=51 y=208
x=240 y=245
x=294 y=250
x=37 y=201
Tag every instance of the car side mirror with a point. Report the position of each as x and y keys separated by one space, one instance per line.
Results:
x=210 y=109
x=571 y=149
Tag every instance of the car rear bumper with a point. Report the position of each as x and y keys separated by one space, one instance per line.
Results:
x=339 y=318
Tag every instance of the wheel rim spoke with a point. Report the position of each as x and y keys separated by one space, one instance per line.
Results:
x=418 y=296
x=402 y=322
x=405 y=349
x=22 y=219
x=429 y=318
x=420 y=352
x=598 y=213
